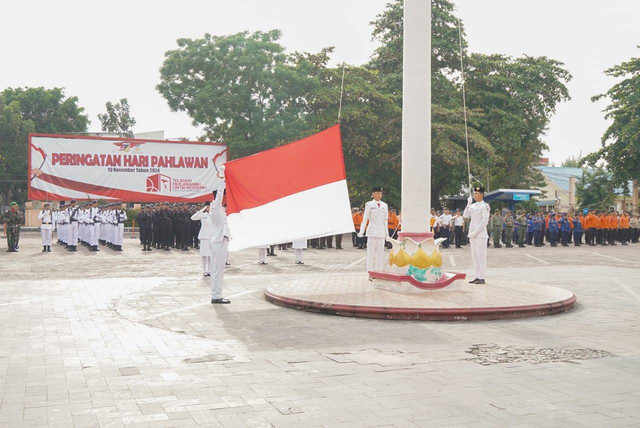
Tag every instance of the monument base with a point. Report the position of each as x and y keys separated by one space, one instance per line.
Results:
x=356 y=296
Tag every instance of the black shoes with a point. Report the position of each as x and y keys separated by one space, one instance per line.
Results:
x=477 y=281
x=206 y=274
x=299 y=262
x=220 y=301
x=44 y=248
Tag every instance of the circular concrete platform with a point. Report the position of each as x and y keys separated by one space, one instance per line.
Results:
x=354 y=295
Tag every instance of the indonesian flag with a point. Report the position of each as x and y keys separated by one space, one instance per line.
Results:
x=296 y=191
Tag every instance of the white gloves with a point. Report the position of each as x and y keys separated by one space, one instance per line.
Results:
x=470 y=200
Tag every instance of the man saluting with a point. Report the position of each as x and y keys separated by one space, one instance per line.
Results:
x=478 y=212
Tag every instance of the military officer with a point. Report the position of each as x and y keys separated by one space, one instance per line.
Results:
x=478 y=212
x=46 y=227
x=496 y=228
x=13 y=219
x=376 y=213
x=508 y=229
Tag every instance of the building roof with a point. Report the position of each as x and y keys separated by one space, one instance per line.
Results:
x=559 y=175
x=508 y=194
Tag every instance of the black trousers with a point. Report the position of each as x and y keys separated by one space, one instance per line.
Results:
x=530 y=238
x=537 y=238
x=339 y=241
x=577 y=237
x=354 y=238
x=458 y=236
x=145 y=235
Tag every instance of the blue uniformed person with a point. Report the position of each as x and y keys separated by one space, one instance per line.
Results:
x=553 y=229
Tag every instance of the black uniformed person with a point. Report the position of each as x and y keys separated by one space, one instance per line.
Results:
x=145 y=221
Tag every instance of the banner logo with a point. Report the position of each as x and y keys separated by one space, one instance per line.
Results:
x=158 y=183
x=125 y=146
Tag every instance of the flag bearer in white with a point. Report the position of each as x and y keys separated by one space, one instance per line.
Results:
x=219 y=243
x=46 y=228
x=204 y=236
x=478 y=212
x=377 y=213
x=298 y=247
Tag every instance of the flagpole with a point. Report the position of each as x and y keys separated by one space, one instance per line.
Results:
x=416 y=118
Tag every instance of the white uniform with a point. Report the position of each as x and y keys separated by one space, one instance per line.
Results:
x=298 y=247
x=46 y=228
x=377 y=213
x=478 y=212
x=204 y=236
x=121 y=217
x=219 y=243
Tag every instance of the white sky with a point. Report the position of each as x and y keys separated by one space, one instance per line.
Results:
x=104 y=51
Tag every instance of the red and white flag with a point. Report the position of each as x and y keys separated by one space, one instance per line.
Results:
x=291 y=192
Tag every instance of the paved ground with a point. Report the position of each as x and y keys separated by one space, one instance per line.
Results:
x=128 y=339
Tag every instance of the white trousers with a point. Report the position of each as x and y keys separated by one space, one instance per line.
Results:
x=262 y=254
x=119 y=234
x=206 y=264
x=74 y=233
x=375 y=254
x=219 y=252
x=46 y=236
x=479 y=256
x=298 y=252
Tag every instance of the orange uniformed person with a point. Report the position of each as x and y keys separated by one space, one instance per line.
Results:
x=590 y=227
x=612 y=222
x=392 y=223
x=624 y=228
x=356 y=214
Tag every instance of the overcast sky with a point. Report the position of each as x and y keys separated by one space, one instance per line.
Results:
x=102 y=51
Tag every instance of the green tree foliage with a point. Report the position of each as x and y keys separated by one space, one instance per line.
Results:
x=14 y=131
x=573 y=161
x=49 y=110
x=245 y=90
x=118 y=119
x=26 y=110
x=621 y=141
x=595 y=189
x=518 y=97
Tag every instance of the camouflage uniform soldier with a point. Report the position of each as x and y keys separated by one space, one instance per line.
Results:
x=496 y=228
x=13 y=219
x=508 y=229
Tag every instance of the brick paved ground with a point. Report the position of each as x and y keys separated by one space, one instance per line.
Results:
x=129 y=339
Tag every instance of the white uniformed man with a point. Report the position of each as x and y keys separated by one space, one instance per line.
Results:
x=376 y=213
x=204 y=235
x=219 y=243
x=46 y=227
x=478 y=212
x=120 y=218
x=73 y=226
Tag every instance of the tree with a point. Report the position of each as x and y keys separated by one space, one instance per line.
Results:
x=49 y=110
x=14 y=131
x=573 y=162
x=26 y=110
x=595 y=189
x=118 y=119
x=518 y=97
x=621 y=141
x=242 y=88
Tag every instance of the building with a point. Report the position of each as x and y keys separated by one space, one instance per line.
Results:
x=559 y=191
